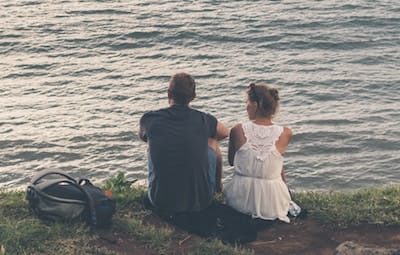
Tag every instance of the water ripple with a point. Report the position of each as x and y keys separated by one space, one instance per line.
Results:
x=77 y=76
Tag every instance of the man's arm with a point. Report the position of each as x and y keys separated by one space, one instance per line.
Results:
x=221 y=132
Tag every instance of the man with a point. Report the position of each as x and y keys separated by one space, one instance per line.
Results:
x=183 y=154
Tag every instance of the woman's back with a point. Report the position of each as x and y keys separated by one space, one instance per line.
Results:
x=257 y=187
x=258 y=157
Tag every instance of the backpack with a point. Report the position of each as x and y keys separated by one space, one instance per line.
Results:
x=55 y=196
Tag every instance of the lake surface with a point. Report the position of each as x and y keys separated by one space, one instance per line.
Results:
x=76 y=76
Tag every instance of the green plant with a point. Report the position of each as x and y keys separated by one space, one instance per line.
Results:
x=119 y=183
x=121 y=190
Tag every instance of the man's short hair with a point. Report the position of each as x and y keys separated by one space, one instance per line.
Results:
x=182 y=88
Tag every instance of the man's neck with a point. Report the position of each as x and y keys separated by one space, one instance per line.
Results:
x=173 y=103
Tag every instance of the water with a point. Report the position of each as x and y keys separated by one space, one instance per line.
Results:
x=77 y=75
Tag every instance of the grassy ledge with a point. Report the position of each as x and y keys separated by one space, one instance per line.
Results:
x=22 y=233
x=345 y=209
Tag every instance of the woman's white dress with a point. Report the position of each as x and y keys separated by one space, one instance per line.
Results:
x=256 y=187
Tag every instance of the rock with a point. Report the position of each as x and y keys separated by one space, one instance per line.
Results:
x=350 y=248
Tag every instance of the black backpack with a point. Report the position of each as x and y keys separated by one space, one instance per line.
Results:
x=54 y=195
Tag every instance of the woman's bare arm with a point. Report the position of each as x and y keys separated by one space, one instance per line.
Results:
x=236 y=140
x=283 y=141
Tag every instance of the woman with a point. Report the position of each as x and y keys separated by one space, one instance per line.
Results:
x=256 y=148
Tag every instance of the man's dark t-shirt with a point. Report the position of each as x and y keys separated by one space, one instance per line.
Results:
x=177 y=137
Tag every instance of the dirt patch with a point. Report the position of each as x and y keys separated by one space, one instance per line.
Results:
x=309 y=237
x=301 y=236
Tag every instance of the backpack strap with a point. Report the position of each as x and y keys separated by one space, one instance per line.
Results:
x=39 y=187
x=48 y=183
x=91 y=202
x=45 y=173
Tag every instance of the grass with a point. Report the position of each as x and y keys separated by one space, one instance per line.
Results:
x=346 y=209
x=22 y=233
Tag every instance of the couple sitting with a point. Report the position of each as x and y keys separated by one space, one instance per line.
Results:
x=185 y=165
